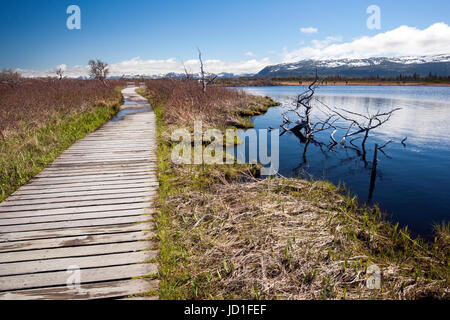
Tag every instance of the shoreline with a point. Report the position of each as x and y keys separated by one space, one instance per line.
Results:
x=361 y=83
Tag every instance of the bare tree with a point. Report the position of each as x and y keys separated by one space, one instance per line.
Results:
x=351 y=125
x=186 y=72
x=60 y=73
x=98 y=70
x=205 y=78
x=303 y=110
x=10 y=77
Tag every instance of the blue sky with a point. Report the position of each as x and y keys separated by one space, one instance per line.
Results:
x=153 y=36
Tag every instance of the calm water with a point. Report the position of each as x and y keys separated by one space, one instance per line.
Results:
x=412 y=182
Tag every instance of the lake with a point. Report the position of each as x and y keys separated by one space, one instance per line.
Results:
x=412 y=179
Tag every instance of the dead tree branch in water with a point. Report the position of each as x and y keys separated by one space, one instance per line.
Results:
x=351 y=125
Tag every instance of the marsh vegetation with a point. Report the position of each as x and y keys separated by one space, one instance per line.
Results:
x=40 y=118
x=224 y=237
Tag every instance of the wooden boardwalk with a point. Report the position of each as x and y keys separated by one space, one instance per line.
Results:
x=82 y=228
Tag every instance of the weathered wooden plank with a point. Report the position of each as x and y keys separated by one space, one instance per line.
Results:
x=83 y=231
x=87 y=275
x=117 y=178
x=108 y=138
x=97 y=158
x=9 y=207
x=110 y=149
x=71 y=217
x=77 y=164
x=94 y=193
x=89 y=239
x=49 y=212
x=100 y=290
x=91 y=173
x=102 y=167
x=93 y=184
x=66 y=252
x=46 y=200
x=92 y=188
x=80 y=153
x=114 y=178
x=87 y=173
x=62 y=264
x=103 y=161
x=74 y=224
x=111 y=154
x=150 y=166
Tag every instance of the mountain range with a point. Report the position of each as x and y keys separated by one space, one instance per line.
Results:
x=357 y=68
x=351 y=68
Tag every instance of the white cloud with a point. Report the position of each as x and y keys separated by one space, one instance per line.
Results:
x=309 y=30
x=69 y=71
x=154 y=67
x=249 y=54
x=138 y=66
x=63 y=67
x=402 y=41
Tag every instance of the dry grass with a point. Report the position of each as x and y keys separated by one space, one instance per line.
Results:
x=185 y=103
x=293 y=239
x=31 y=103
x=39 y=119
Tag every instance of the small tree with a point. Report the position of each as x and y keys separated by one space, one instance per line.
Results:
x=10 y=77
x=98 y=70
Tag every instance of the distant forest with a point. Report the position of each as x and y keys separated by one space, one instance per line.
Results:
x=267 y=81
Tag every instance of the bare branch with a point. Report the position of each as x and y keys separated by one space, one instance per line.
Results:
x=384 y=145
x=188 y=75
x=403 y=141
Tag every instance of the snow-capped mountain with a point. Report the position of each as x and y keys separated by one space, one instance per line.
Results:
x=383 y=67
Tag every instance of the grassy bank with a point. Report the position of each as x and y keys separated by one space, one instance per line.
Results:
x=37 y=126
x=222 y=238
